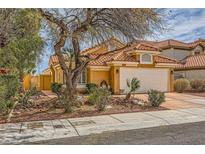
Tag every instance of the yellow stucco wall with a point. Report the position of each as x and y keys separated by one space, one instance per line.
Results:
x=115 y=79
x=97 y=76
x=58 y=75
x=41 y=82
x=27 y=82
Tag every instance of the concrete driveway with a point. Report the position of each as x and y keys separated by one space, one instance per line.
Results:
x=179 y=100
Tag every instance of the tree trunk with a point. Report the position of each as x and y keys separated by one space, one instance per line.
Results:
x=127 y=96
x=69 y=94
x=21 y=76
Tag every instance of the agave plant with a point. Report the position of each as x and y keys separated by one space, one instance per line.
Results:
x=133 y=86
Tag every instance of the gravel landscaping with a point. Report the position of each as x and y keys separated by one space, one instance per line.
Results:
x=46 y=108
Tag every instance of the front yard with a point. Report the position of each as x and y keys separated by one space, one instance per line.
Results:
x=47 y=108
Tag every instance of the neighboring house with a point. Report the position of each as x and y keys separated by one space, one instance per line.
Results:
x=140 y=60
x=191 y=56
x=192 y=67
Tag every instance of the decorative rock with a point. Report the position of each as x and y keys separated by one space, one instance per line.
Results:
x=135 y=101
x=141 y=103
x=108 y=107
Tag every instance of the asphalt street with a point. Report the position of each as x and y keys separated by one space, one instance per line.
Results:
x=183 y=134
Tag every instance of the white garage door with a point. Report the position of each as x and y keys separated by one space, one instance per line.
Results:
x=149 y=78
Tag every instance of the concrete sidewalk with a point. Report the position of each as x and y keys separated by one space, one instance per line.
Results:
x=44 y=130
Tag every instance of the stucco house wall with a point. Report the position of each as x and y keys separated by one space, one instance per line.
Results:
x=176 y=53
x=190 y=74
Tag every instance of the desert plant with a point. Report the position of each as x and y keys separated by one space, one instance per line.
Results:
x=133 y=85
x=100 y=97
x=6 y=105
x=198 y=84
x=24 y=98
x=155 y=97
x=56 y=88
x=90 y=87
x=181 y=84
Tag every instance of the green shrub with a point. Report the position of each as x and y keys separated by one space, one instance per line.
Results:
x=155 y=97
x=198 y=84
x=133 y=86
x=100 y=97
x=56 y=88
x=90 y=87
x=5 y=105
x=10 y=86
x=24 y=97
x=181 y=84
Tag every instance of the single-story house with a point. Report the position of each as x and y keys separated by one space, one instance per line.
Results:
x=140 y=60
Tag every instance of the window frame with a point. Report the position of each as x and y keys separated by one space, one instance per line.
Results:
x=80 y=82
x=146 y=62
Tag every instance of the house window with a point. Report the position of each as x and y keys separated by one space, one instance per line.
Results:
x=146 y=59
x=82 y=79
x=179 y=75
x=196 y=53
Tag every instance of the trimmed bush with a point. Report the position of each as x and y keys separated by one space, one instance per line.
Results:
x=100 y=97
x=181 y=84
x=198 y=84
x=56 y=88
x=156 y=97
x=90 y=87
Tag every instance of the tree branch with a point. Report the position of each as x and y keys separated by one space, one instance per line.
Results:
x=61 y=41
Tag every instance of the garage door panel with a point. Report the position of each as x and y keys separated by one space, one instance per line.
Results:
x=149 y=78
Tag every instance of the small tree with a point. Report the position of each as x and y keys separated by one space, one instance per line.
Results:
x=133 y=86
x=20 y=45
x=24 y=47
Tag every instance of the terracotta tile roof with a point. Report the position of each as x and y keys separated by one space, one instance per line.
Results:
x=102 y=61
x=54 y=59
x=147 y=47
x=171 y=43
x=164 y=59
x=124 y=57
x=95 y=47
x=197 y=42
x=196 y=61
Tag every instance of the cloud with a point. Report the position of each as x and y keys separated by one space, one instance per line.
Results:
x=185 y=23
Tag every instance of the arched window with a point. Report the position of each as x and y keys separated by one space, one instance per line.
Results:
x=146 y=58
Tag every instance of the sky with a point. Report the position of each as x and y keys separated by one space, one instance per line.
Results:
x=183 y=24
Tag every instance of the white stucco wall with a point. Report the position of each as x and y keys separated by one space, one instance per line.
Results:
x=193 y=74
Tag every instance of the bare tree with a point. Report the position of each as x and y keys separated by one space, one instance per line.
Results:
x=77 y=26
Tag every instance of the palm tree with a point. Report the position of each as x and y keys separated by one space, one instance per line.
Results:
x=133 y=85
